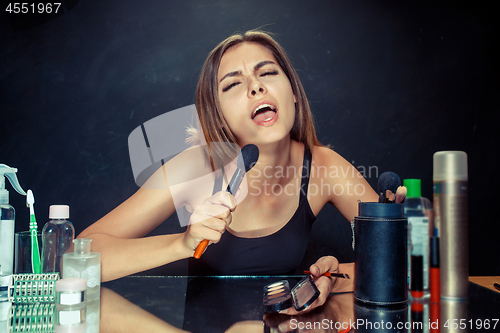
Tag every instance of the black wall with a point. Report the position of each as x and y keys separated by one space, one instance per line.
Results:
x=390 y=83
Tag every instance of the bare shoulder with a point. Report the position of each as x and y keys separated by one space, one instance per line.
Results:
x=338 y=182
x=325 y=157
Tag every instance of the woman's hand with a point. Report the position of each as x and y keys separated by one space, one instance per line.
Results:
x=326 y=284
x=336 y=315
x=209 y=220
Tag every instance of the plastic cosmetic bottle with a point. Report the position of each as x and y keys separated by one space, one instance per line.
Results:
x=57 y=238
x=418 y=210
x=7 y=218
x=84 y=264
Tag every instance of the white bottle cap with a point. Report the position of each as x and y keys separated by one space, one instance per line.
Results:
x=59 y=212
x=450 y=165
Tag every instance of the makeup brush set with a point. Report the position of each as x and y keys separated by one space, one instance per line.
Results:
x=390 y=189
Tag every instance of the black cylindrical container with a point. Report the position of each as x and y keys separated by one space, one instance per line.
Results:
x=380 y=252
x=377 y=319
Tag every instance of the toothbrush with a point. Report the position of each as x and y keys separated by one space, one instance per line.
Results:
x=35 y=252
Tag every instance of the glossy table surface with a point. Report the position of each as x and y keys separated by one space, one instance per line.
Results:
x=234 y=304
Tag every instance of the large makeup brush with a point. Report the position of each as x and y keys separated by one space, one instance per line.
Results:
x=250 y=156
x=388 y=181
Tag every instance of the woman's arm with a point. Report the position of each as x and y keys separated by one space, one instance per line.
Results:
x=119 y=236
x=340 y=183
x=120 y=315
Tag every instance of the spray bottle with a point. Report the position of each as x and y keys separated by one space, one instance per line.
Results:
x=7 y=218
x=450 y=175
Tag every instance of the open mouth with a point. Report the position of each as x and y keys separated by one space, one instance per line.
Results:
x=263 y=113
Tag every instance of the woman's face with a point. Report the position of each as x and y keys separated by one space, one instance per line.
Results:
x=255 y=95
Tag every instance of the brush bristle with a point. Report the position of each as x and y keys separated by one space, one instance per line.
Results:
x=250 y=155
x=401 y=194
x=388 y=181
x=193 y=136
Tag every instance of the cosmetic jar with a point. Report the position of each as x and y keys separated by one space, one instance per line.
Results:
x=71 y=291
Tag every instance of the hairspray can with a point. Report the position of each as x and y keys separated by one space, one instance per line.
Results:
x=451 y=208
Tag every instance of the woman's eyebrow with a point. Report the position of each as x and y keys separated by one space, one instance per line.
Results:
x=255 y=68
x=262 y=64
x=231 y=74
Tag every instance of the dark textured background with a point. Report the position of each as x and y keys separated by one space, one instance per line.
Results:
x=390 y=83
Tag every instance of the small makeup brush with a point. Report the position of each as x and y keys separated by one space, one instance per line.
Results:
x=329 y=274
x=401 y=194
x=388 y=196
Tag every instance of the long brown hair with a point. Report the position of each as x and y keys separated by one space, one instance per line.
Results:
x=214 y=126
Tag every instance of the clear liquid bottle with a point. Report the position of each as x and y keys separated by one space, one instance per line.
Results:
x=419 y=212
x=84 y=264
x=7 y=228
x=7 y=216
x=57 y=238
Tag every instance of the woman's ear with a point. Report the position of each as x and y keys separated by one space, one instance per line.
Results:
x=294 y=99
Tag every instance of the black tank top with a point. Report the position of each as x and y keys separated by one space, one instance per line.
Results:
x=278 y=253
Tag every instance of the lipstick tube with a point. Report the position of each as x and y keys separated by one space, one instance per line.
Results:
x=434 y=269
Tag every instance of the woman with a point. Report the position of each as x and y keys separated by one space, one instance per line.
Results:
x=248 y=92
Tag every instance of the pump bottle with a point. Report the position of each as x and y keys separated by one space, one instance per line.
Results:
x=7 y=218
x=57 y=238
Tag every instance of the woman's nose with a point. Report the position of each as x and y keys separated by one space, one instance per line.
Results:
x=256 y=87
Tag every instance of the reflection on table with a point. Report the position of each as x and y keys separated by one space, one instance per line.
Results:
x=234 y=304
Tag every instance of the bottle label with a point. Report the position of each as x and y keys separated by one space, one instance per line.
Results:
x=92 y=274
x=419 y=237
x=7 y=247
x=69 y=298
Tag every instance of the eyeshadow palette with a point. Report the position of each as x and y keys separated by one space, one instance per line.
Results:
x=278 y=296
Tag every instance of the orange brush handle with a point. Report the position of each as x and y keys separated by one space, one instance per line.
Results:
x=201 y=248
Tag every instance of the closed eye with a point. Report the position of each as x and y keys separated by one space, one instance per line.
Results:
x=226 y=88
x=233 y=84
x=269 y=73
